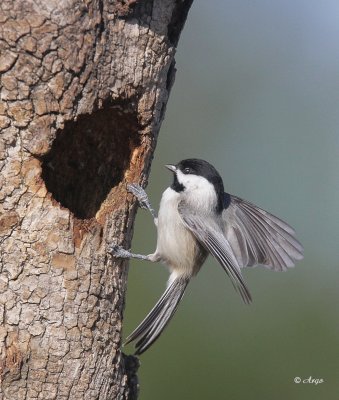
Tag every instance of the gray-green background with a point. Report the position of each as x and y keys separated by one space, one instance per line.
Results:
x=256 y=94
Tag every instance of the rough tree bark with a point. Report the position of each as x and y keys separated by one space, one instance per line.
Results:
x=84 y=84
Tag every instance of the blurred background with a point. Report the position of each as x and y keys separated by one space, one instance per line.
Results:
x=257 y=95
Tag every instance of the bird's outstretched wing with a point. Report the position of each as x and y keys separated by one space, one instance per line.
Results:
x=212 y=238
x=155 y=322
x=258 y=237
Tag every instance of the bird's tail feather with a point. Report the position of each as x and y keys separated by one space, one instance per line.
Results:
x=155 y=322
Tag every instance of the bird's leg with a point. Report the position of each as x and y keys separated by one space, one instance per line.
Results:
x=119 y=252
x=142 y=197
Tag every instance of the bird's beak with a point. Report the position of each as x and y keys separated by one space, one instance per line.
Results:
x=171 y=167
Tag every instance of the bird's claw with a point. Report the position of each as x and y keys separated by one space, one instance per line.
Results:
x=140 y=194
x=118 y=251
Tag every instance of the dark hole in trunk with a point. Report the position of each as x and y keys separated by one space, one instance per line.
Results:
x=90 y=156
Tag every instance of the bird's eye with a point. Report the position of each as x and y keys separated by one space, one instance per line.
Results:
x=187 y=170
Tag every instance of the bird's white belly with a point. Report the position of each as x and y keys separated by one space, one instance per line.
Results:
x=176 y=246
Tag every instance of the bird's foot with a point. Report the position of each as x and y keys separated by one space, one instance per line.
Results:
x=141 y=195
x=119 y=252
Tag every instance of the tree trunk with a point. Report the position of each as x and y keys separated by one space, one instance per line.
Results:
x=84 y=85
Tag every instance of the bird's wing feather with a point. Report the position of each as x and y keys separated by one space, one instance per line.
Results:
x=258 y=237
x=155 y=322
x=211 y=237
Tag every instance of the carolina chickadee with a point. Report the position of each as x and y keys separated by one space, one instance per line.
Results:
x=197 y=218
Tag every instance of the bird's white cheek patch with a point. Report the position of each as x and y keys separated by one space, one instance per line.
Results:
x=198 y=190
x=192 y=182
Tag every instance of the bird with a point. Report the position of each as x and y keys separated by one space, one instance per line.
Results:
x=198 y=218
